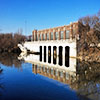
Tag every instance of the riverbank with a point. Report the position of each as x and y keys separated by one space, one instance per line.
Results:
x=90 y=55
x=9 y=42
x=15 y=49
x=10 y=59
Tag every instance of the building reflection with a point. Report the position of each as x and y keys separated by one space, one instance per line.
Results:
x=85 y=79
x=55 y=73
x=52 y=69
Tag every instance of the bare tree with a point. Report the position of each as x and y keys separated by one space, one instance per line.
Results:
x=89 y=29
x=92 y=31
x=8 y=42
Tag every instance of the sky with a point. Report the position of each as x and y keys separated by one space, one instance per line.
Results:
x=28 y=15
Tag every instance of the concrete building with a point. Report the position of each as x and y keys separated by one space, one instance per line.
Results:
x=56 y=45
x=56 y=33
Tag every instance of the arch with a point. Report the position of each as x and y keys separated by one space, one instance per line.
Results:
x=49 y=54
x=54 y=54
x=67 y=48
x=60 y=55
x=44 y=53
x=40 y=53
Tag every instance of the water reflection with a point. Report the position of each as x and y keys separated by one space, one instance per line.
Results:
x=85 y=78
x=82 y=77
x=1 y=84
x=55 y=73
x=25 y=85
x=10 y=59
x=88 y=79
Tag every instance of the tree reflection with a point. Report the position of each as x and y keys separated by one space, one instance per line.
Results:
x=10 y=59
x=88 y=79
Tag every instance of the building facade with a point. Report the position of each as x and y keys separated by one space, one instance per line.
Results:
x=56 y=46
x=56 y=33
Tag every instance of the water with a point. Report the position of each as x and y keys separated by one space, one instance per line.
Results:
x=21 y=80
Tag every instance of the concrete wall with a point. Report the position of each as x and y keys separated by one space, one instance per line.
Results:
x=56 y=36
x=35 y=47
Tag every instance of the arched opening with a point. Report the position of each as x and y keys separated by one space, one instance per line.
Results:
x=40 y=53
x=54 y=54
x=49 y=54
x=44 y=53
x=60 y=55
x=67 y=56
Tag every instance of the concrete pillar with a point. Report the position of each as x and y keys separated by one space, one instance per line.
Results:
x=77 y=31
x=35 y=69
x=41 y=70
x=64 y=36
x=38 y=37
x=54 y=35
x=49 y=72
x=33 y=35
x=64 y=76
x=58 y=75
x=63 y=55
x=49 y=35
x=54 y=72
x=59 y=33
x=64 y=33
x=45 y=70
x=71 y=30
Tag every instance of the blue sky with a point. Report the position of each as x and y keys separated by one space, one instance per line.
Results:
x=41 y=14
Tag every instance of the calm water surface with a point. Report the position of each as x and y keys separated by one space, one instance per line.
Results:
x=20 y=80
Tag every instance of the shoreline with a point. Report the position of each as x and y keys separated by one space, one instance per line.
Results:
x=12 y=50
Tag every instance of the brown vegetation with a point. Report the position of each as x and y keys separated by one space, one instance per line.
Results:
x=10 y=59
x=88 y=76
x=89 y=30
x=8 y=42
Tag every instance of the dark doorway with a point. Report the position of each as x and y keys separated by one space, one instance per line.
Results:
x=49 y=54
x=67 y=56
x=60 y=55
x=40 y=53
x=54 y=54
x=44 y=53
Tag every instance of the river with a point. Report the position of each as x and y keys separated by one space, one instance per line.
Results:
x=26 y=78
